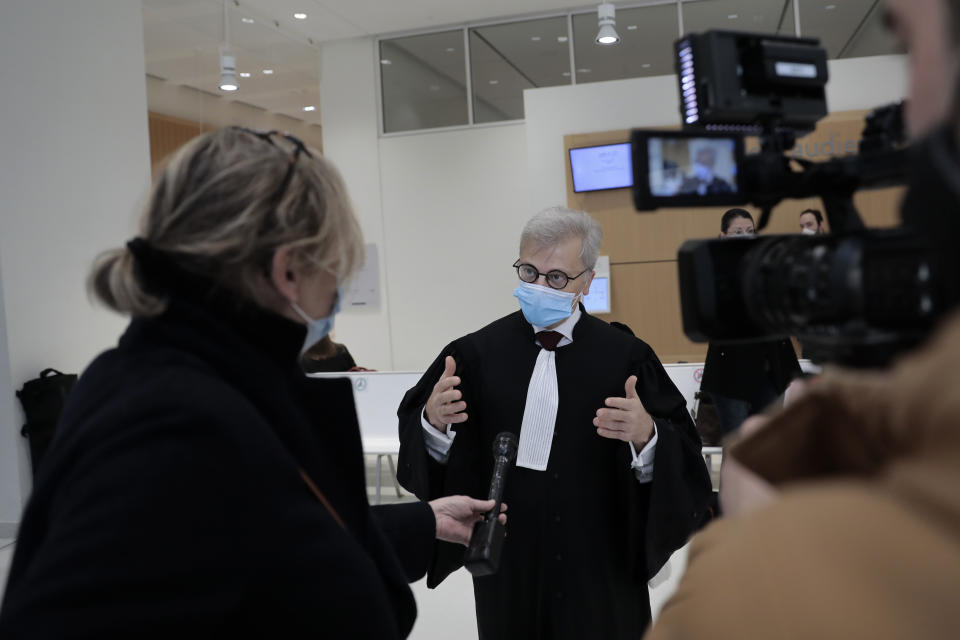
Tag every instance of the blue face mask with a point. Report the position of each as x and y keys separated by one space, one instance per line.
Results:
x=318 y=328
x=543 y=306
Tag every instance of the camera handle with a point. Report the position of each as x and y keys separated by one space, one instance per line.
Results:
x=834 y=181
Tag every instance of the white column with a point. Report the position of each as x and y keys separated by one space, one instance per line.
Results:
x=74 y=167
x=348 y=112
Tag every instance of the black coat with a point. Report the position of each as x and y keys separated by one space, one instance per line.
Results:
x=172 y=502
x=584 y=536
x=746 y=371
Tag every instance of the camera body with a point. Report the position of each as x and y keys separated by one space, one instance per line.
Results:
x=858 y=296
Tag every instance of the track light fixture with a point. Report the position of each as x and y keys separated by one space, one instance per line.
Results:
x=228 y=70
x=228 y=61
x=606 y=14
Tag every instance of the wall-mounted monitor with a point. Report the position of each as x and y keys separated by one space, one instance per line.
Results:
x=598 y=300
x=608 y=166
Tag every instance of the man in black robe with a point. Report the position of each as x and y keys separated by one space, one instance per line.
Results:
x=609 y=478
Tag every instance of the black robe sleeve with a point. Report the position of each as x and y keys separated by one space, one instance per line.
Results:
x=674 y=504
x=419 y=473
x=410 y=530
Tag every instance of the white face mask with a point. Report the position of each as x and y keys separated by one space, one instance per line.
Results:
x=317 y=328
x=807 y=231
x=703 y=172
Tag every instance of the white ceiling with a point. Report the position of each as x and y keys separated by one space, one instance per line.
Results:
x=182 y=37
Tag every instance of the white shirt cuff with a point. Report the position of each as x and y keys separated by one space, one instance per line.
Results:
x=438 y=444
x=642 y=464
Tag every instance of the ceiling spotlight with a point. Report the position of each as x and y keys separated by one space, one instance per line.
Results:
x=244 y=74
x=268 y=72
x=606 y=14
x=733 y=16
x=386 y=61
x=535 y=38
x=310 y=108
x=562 y=38
x=494 y=82
x=450 y=49
x=300 y=16
x=246 y=20
x=631 y=27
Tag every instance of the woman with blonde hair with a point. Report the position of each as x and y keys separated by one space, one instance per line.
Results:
x=199 y=483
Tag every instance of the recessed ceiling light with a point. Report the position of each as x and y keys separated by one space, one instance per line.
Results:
x=566 y=74
x=386 y=61
x=309 y=107
x=300 y=16
x=246 y=20
x=535 y=38
x=645 y=65
x=583 y=70
x=494 y=82
x=244 y=74
x=562 y=38
x=732 y=16
x=631 y=27
x=830 y=7
x=450 y=49
x=268 y=72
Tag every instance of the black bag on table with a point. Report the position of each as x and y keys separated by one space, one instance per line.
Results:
x=43 y=399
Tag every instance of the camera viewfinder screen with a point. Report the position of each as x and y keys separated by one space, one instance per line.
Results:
x=606 y=167
x=690 y=167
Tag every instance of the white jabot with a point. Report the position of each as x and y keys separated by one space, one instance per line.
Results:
x=543 y=398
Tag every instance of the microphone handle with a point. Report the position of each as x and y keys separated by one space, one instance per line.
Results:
x=497 y=483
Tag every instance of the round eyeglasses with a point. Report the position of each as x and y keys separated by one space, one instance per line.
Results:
x=555 y=278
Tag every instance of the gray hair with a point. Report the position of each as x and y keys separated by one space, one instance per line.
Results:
x=218 y=210
x=554 y=224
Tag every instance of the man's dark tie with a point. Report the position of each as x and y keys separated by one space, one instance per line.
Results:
x=549 y=339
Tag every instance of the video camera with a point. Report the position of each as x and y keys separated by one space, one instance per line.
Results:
x=858 y=296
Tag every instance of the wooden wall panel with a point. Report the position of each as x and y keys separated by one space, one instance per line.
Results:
x=167 y=134
x=645 y=297
x=643 y=246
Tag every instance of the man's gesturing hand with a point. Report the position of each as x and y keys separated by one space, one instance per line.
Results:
x=445 y=406
x=625 y=418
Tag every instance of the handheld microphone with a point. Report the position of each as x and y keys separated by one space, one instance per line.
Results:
x=486 y=543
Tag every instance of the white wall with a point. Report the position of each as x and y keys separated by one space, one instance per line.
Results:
x=454 y=204
x=444 y=208
x=551 y=113
x=73 y=169
x=10 y=417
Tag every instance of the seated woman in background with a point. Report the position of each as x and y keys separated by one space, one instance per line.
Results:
x=743 y=379
x=199 y=484
x=326 y=356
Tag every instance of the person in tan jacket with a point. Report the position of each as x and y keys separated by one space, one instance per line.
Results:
x=857 y=533
x=843 y=509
